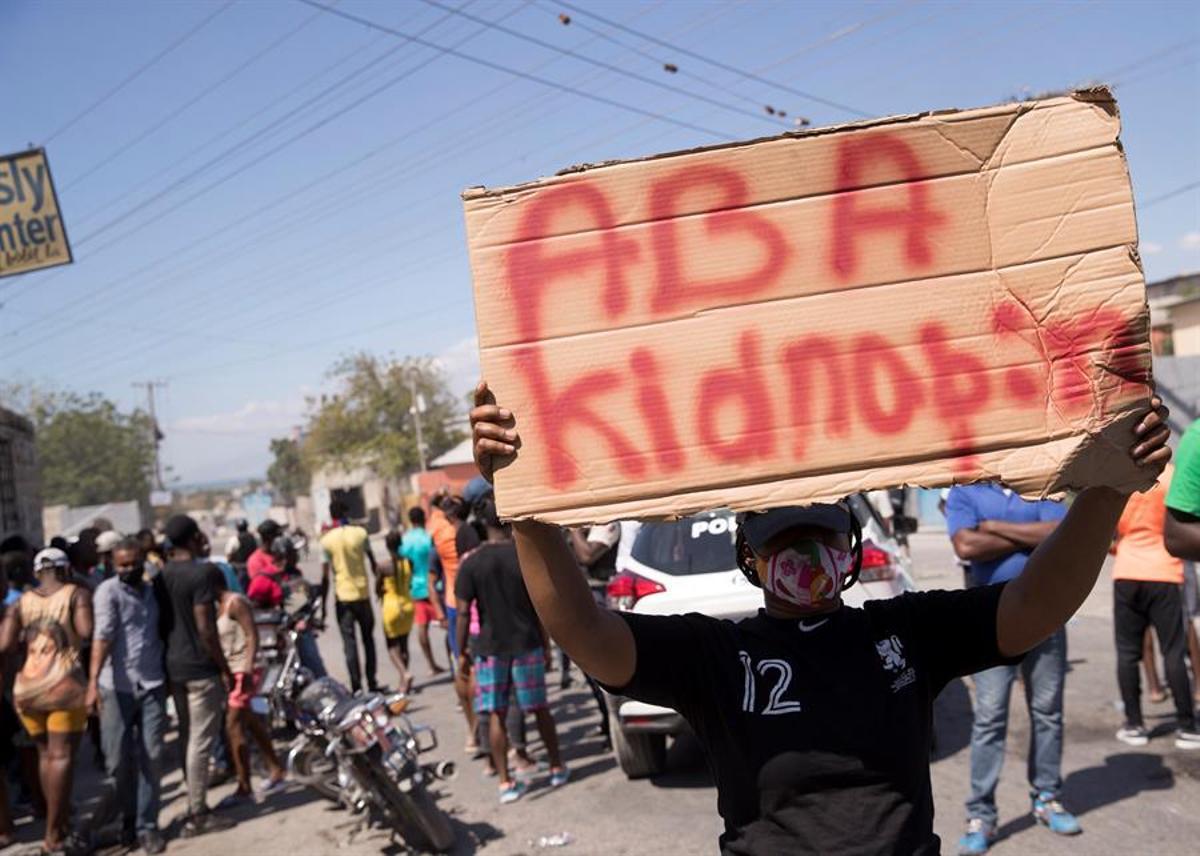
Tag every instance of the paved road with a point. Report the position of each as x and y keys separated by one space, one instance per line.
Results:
x=1144 y=801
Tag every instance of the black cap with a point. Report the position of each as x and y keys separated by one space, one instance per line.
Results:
x=269 y=528
x=760 y=527
x=181 y=529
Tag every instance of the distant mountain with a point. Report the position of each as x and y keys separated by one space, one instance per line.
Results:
x=216 y=484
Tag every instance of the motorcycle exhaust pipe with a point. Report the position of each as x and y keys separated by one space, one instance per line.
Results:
x=444 y=770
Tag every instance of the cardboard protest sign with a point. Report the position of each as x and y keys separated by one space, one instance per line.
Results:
x=32 y=234
x=919 y=300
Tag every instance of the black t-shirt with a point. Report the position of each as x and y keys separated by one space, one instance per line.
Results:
x=818 y=731
x=466 y=539
x=491 y=577
x=188 y=584
x=246 y=547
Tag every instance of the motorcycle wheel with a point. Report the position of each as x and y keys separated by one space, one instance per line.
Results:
x=318 y=772
x=414 y=815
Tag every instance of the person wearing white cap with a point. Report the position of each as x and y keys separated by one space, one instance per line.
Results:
x=816 y=717
x=49 y=691
x=106 y=542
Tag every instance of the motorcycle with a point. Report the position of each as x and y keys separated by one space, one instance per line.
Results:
x=283 y=674
x=364 y=752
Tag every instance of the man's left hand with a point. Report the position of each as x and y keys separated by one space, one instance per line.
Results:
x=1150 y=449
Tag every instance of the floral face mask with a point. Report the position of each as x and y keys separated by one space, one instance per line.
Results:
x=808 y=573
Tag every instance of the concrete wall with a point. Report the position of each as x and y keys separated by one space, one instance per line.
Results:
x=125 y=517
x=1185 y=328
x=381 y=497
x=21 y=494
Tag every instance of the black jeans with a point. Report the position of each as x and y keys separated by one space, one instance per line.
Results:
x=1137 y=604
x=350 y=613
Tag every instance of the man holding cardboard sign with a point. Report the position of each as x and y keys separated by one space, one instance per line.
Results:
x=798 y=708
x=769 y=326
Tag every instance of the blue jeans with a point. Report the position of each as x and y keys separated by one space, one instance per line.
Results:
x=310 y=655
x=1044 y=671
x=132 y=729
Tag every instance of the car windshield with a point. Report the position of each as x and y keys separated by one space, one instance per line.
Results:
x=703 y=544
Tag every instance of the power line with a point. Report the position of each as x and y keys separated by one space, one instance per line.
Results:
x=495 y=66
x=203 y=93
x=372 y=182
x=749 y=75
x=1171 y=194
x=632 y=75
x=1149 y=58
x=207 y=144
x=224 y=154
x=508 y=114
x=139 y=71
x=97 y=293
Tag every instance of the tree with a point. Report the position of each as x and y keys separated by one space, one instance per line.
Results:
x=289 y=472
x=89 y=452
x=371 y=421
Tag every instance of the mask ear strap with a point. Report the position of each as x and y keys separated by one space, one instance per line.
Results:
x=746 y=559
x=856 y=547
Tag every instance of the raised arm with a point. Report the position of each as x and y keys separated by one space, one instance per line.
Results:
x=1063 y=569
x=596 y=639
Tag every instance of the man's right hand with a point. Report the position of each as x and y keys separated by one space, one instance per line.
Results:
x=92 y=700
x=495 y=434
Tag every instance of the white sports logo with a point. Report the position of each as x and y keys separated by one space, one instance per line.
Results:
x=892 y=653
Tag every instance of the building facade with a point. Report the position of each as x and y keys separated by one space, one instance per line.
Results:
x=20 y=483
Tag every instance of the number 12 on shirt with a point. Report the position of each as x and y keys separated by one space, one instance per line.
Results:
x=776 y=704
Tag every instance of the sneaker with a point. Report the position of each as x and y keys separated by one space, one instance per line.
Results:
x=202 y=824
x=559 y=776
x=1134 y=735
x=512 y=792
x=1187 y=738
x=152 y=842
x=978 y=837
x=272 y=786
x=1050 y=812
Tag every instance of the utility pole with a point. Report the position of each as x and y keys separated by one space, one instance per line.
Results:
x=416 y=408
x=155 y=434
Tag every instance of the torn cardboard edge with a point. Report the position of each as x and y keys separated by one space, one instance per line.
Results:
x=1101 y=95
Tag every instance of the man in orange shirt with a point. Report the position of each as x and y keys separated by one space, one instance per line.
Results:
x=443 y=532
x=1148 y=590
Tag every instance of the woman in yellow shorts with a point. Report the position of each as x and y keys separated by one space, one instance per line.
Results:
x=48 y=692
x=395 y=591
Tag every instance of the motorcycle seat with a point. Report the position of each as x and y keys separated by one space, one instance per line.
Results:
x=340 y=710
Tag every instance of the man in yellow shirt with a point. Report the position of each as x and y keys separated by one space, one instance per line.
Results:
x=347 y=552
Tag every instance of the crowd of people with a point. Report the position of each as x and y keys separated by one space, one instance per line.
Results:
x=105 y=638
x=111 y=636
x=455 y=566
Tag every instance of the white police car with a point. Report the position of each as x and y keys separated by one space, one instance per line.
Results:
x=688 y=565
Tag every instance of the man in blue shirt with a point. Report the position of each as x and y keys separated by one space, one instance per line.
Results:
x=994 y=530
x=128 y=689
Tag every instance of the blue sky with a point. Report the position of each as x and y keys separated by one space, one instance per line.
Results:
x=254 y=188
